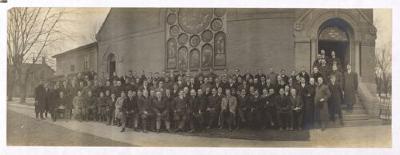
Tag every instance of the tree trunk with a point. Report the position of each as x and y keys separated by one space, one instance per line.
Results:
x=10 y=84
x=24 y=82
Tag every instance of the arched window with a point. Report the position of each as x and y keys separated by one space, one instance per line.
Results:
x=111 y=64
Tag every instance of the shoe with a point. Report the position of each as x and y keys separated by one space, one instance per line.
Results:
x=123 y=130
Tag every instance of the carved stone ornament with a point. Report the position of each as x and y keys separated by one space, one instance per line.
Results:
x=298 y=26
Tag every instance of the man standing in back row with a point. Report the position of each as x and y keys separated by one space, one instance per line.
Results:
x=350 y=88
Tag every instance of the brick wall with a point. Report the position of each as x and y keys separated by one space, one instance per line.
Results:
x=260 y=43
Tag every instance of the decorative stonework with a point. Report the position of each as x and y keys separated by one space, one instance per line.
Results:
x=216 y=24
x=298 y=26
x=333 y=34
x=207 y=56
x=219 y=48
x=171 y=19
x=171 y=53
x=183 y=39
x=194 y=58
x=195 y=38
x=194 y=21
x=207 y=36
x=182 y=58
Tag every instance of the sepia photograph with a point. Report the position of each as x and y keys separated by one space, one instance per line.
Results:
x=199 y=77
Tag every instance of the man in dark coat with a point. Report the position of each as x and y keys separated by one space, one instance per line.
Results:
x=270 y=108
x=298 y=111
x=350 y=88
x=307 y=92
x=335 y=100
x=202 y=100
x=284 y=110
x=39 y=100
x=322 y=95
x=256 y=110
x=53 y=104
x=161 y=111
x=129 y=106
x=192 y=108
x=145 y=110
x=180 y=111
x=213 y=107
x=48 y=95
x=243 y=108
x=90 y=106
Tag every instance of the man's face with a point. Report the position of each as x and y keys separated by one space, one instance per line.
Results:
x=192 y=93
x=281 y=91
x=228 y=92
x=293 y=92
x=315 y=70
x=243 y=92
x=320 y=80
x=312 y=80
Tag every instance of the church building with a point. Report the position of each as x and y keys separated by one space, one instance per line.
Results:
x=163 y=39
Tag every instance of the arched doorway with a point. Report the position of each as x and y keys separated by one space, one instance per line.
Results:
x=111 y=64
x=335 y=35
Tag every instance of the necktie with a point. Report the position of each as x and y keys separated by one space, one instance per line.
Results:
x=227 y=107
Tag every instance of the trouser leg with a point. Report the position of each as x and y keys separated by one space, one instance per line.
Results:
x=158 y=122
x=123 y=120
x=231 y=120
x=37 y=112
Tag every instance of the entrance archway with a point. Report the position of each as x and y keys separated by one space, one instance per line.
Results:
x=111 y=64
x=335 y=35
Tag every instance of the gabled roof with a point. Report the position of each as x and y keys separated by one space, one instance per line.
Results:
x=76 y=49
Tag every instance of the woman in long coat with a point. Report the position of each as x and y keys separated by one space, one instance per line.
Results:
x=322 y=95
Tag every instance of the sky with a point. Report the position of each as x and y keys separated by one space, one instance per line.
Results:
x=83 y=23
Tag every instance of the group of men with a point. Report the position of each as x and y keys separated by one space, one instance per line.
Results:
x=180 y=102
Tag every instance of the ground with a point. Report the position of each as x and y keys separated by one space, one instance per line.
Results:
x=23 y=129
x=26 y=131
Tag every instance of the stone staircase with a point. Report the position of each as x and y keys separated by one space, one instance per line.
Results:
x=357 y=117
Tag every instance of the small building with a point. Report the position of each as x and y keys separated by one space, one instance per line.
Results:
x=80 y=59
x=36 y=73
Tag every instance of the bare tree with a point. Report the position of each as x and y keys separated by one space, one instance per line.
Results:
x=384 y=62
x=31 y=31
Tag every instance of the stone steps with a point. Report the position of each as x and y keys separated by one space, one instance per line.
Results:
x=357 y=117
x=354 y=123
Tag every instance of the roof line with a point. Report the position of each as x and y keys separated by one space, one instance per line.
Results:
x=75 y=49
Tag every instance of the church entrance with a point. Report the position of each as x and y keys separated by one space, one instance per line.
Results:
x=111 y=64
x=333 y=36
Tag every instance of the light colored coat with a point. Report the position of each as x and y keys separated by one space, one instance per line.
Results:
x=232 y=101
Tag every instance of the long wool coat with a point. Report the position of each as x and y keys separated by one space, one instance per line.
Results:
x=350 y=87
x=321 y=108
